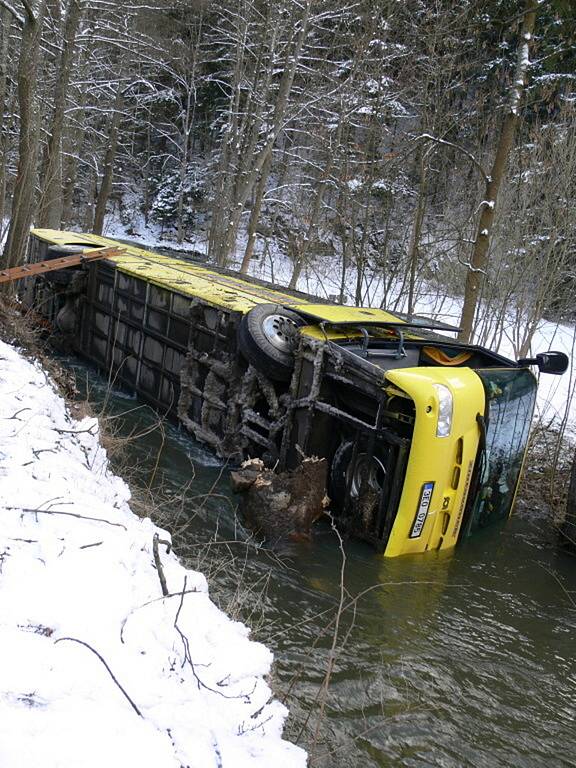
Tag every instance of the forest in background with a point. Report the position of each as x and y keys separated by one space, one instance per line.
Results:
x=420 y=143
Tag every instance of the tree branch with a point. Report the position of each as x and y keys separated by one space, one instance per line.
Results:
x=150 y=602
x=29 y=11
x=469 y=155
x=188 y=657
x=67 y=514
x=156 y=540
x=95 y=652
x=5 y=4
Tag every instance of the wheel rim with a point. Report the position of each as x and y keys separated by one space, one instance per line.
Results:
x=279 y=331
x=368 y=474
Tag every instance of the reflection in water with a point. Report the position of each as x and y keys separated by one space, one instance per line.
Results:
x=462 y=660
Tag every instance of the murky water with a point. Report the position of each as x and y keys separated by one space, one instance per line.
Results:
x=461 y=660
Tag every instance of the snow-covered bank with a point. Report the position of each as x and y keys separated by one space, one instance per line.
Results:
x=81 y=602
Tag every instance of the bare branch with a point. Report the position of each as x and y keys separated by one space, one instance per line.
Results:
x=5 y=4
x=150 y=602
x=156 y=540
x=188 y=657
x=112 y=675
x=67 y=514
x=469 y=155
x=29 y=11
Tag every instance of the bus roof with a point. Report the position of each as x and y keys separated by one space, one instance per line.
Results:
x=227 y=291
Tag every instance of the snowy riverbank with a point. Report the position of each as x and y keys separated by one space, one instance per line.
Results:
x=82 y=602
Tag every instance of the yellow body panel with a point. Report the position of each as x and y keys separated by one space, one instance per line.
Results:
x=220 y=290
x=339 y=334
x=337 y=313
x=446 y=461
x=225 y=291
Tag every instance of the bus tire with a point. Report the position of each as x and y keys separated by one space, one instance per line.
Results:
x=339 y=471
x=267 y=337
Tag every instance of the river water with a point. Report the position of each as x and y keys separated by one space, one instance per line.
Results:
x=459 y=660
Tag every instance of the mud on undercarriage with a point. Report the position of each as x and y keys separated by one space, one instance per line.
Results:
x=326 y=409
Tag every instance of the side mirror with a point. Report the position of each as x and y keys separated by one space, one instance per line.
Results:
x=548 y=362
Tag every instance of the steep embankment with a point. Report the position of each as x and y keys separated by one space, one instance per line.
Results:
x=97 y=667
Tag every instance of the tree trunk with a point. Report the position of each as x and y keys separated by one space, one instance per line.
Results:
x=255 y=213
x=146 y=177
x=245 y=181
x=23 y=200
x=108 y=172
x=51 y=204
x=189 y=119
x=184 y=162
x=300 y=257
x=228 y=153
x=72 y=142
x=301 y=251
x=479 y=258
x=5 y=26
x=282 y=507
x=417 y=231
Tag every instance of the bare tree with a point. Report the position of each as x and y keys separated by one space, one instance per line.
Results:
x=479 y=257
x=533 y=274
x=5 y=30
x=51 y=204
x=251 y=140
x=106 y=177
x=30 y=21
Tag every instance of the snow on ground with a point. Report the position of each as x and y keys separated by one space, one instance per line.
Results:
x=150 y=233
x=81 y=601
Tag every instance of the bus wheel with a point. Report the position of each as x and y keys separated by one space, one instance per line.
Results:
x=267 y=337
x=363 y=479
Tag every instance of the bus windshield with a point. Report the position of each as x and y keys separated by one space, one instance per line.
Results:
x=510 y=399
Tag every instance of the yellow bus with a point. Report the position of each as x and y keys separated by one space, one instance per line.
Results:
x=424 y=436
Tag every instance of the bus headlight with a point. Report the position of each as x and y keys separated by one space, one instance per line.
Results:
x=445 y=407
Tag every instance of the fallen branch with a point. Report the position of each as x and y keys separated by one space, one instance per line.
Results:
x=156 y=599
x=112 y=675
x=38 y=451
x=67 y=514
x=26 y=541
x=242 y=731
x=15 y=415
x=188 y=657
x=76 y=431
x=156 y=540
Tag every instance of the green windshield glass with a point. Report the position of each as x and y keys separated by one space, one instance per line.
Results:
x=510 y=398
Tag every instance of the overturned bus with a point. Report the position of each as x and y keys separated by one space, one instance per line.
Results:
x=424 y=436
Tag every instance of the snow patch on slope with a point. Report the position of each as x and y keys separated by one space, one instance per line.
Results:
x=77 y=565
